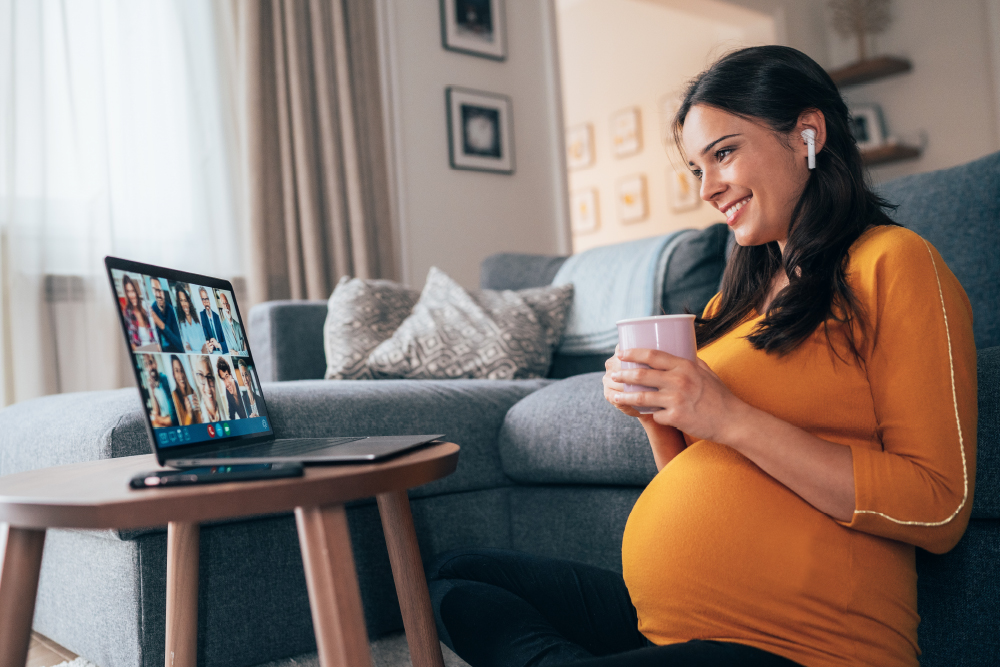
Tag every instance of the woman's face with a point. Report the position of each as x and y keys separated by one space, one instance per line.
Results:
x=751 y=174
x=185 y=304
x=179 y=378
x=131 y=296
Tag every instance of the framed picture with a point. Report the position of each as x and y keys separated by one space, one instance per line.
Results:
x=480 y=135
x=585 y=216
x=867 y=126
x=632 y=199
x=475 y=27
x=626 y=132
x=684 y=190
x=579 y=146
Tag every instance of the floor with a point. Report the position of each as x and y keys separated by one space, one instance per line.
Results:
x=389 y=651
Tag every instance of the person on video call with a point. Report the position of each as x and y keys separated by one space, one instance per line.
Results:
x=252 y=402
x=235 y=405
x=192 y=333
x=185 y=399
x=211 y=409
x=232 y=329
x=140 y=329
x=161 y=405
x=165 y=319
x=212 y=325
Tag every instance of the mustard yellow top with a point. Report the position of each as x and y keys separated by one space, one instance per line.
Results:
x=717 y=549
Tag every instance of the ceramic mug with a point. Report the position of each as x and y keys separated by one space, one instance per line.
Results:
x=669 y=333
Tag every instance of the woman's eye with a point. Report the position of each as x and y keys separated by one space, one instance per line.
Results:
x=697 y=173
x=723 y=153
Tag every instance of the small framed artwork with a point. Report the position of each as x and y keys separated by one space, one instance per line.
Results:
x=632 y=199
x=684 y=190
x=867 y=126
x=585 y=216
x=579 y=146
x=475 y=27
x=626 y=132
x=480 y=134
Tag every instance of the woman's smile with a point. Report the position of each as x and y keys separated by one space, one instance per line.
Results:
x=732 y=211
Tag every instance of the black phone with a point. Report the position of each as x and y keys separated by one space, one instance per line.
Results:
x=215 y=474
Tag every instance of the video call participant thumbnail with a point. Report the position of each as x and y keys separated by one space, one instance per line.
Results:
x=212 y=409
x=192 y=331
x=253 y=404
x=140 y=329
x=233 y=399
x=211 y=324
x=231 y=328
x=161 y=405
x=186 y=401
x=164 y=318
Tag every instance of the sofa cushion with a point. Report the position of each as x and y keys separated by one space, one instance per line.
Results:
x=567 y=433
x=958 y=210
x=452 y=333
x=361 y=314
x=986 y=500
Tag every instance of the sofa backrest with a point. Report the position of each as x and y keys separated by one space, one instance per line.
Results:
x=691 y=279
x=958 y=211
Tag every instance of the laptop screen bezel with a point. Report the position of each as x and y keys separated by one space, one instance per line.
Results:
x=204 y=446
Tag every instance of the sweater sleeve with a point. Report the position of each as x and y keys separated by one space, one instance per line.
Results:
x=921 y=364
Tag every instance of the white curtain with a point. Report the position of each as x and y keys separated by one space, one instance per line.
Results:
x=116 y=137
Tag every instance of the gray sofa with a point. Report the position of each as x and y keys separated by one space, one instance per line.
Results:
x=546 y=466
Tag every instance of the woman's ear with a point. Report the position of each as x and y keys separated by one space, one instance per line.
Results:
x=811 y=119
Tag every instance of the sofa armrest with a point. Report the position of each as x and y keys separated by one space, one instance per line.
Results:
x=287 y=340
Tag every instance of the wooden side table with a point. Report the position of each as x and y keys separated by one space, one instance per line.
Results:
x=96 y=495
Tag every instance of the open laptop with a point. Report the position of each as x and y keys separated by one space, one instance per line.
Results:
x=201 y=396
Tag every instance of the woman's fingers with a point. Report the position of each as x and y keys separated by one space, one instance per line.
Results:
x=653 y=358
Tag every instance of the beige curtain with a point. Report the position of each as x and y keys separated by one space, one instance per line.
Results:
x=314 y=146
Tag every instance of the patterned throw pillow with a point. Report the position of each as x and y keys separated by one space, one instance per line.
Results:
x=360 y=315
x=490 y=334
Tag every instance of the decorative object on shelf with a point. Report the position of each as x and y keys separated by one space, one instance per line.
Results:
x=859 y=19
x=475 y=27
x=867 y=126
x=585 y=216
x=632 y=199
x=684 y=189
x=626 y=132
x=580 y=146
x=480 y=135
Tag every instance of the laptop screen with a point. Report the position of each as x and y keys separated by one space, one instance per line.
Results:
x=190 y=355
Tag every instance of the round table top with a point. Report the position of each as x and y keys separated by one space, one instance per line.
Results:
x=96 y=494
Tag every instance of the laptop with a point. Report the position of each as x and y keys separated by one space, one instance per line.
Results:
x=197 y=380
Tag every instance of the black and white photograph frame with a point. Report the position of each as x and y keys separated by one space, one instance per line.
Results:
x=480 y=130
x=475 y=27
x=867 y=126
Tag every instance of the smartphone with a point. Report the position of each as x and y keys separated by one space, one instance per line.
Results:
x=215 y=474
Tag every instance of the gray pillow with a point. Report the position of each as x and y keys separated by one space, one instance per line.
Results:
x=360 y=315
x=488 y=334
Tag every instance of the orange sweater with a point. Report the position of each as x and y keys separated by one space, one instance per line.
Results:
x=717 y=549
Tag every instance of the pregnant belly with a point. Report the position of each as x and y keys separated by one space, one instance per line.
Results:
x=716 y=548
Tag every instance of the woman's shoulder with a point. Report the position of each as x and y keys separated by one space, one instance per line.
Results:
x=889 y=251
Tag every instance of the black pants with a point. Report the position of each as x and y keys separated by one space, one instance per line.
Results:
x=504 y=608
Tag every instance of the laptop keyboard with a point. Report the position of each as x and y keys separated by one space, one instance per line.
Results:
x=289 y=447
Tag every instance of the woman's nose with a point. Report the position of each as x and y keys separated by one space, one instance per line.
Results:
x=711 y=185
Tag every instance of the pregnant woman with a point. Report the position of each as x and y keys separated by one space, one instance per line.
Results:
x=827 y=428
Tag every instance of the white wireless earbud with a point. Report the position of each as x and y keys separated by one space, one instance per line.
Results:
x=810 y=138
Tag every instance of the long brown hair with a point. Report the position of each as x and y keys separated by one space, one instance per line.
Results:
x=775 y=85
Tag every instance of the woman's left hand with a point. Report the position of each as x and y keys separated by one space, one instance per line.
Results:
x=692 y=397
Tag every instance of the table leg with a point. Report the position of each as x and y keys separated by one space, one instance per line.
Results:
x=334 y=596
x=411 y=584
x=182 y=594
x=20 y=565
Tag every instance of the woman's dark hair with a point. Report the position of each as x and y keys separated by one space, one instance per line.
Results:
x=180 y=309
x=129 y=310
x=775 y=85
x=174 y=359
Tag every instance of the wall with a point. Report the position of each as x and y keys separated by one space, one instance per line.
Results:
x=450 y=218
x=621 y=53
x=949 y=98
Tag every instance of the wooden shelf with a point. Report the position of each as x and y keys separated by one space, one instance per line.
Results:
x=869 y=70
x=889 y=153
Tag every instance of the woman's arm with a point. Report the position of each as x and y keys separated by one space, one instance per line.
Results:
x=695 y=401
x=665 y=441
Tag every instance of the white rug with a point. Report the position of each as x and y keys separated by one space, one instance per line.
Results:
x=389 y=651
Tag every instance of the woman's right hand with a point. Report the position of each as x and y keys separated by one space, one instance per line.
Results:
x=611 y=387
